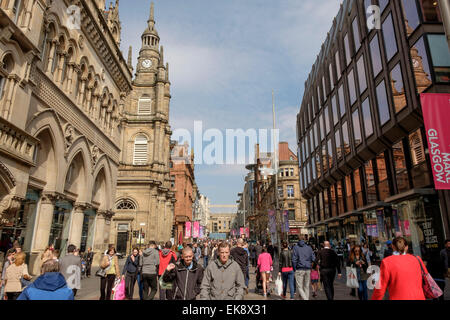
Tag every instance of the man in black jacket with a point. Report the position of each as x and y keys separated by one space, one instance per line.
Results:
x=328 y=262
x=186 y=276
x=240 y=256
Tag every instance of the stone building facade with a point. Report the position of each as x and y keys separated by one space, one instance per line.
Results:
x=144 y=200
x=63 y=92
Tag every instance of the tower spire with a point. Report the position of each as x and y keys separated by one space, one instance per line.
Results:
x=152 y=13
x=129 y=63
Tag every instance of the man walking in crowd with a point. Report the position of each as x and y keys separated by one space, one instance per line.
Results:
x=223 y=279
x=328 y=262
x=241 y=257
x=206 y=254
x=389 y=251
x=89 y=258
x=186 y=276
x=302 y=259
x=70 y=266
x=286 y=270
x=150 y=260
x=258 y=250
x=197 y=252
x=166 y=257
x=270 y=249
x=50 y=285
x=130 y=271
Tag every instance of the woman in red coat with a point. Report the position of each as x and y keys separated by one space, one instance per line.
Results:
x=401 y=275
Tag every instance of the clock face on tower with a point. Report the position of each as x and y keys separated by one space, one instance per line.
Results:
x=146 y=63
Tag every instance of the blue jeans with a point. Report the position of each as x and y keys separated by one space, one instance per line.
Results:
x=141 y=286
x=288 y=277
x=205 y=262
x=362 y=290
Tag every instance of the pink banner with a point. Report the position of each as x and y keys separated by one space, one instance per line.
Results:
x=247 y=232
x=241 y=231
x=187 y=232
x=436 y=115
x=201 y=233
x=196 y=230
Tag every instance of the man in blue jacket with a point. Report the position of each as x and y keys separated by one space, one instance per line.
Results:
x=302 y=258
x=51 y=285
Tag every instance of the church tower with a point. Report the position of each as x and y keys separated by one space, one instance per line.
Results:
x=144 y=200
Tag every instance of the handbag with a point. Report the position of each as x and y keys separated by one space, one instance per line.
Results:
x=101 y=273
x=352 y=278
x=430 y=289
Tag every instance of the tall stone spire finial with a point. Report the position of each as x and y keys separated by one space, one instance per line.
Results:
x=152 y=12
x=161 y=55
x=167 y=71
x=130 y=52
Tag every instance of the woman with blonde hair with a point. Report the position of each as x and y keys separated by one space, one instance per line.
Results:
x=14 y=274
x=47 y=254
x=110 y=263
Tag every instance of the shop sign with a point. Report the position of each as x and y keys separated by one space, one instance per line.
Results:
x=334 y=224
x=352 y=219
x=294 y=231
x=436 y=117
x=431 y=239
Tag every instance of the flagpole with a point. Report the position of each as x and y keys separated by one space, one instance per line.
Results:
x=277 y=209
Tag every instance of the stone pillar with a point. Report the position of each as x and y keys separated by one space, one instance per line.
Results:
x=156 y=149
x=153 y=216
x=81 y=92
x=27 y=20
x=58 y=74
x=10 y=93
x=76 y=227
x=68 y=81
x=50 y=55
x=44 y=223
x=99 y=245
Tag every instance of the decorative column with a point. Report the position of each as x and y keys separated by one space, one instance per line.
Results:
x=81 y=92
x=76 y=228
x=87 y=104
x=11 y=82
x=27 y=20
x=50 y=55
x=156 y=148
x=58 y=75
x=67 y=87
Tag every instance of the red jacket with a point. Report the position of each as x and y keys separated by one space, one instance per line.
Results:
x=164 y=260
x=402 y=277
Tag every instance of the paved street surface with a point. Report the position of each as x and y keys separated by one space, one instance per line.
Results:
x=90 y=288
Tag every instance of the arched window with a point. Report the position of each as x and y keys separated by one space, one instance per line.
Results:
x=125 y=204
x=140 y=150
x=145 y=106
x=7 y=66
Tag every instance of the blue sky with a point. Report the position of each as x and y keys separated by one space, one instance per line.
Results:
x=225 y=58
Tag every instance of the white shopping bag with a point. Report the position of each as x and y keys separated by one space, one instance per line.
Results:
x=279 y=286
x=352 y=278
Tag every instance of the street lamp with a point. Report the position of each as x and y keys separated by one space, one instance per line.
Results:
x=140 y=235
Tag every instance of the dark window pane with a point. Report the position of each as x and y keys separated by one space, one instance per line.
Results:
x=341 y=100
x=319 y=169
x=356 y=37
x=346 y=140
x=383 y=186
x=324 y=86
x=337 y=139
x=362 y=80
x=340 y=197
x=383 y=105
x=356 y=127
x=333 y=201
x=358 y=188
x=349 y=193
x=401 y=173
x=324 y=158
x=334 y=113
x=398 y=90
x=383 y=4
x=311 y=138
x=411 y=15
x=376 y=57
x=370 y=182
x=390 y=41
x=330 y=153
x=319 y=95
x=430 y=11
x=367 y=118
x=347 y=50
x=440 y=57
x=420 y=174
x=351 y=87
x=307 y=146
x=316 y=137
x=326 y=205
x=421 y=67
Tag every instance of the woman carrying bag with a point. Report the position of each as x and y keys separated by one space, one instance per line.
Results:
x=16 y=277
x=358 y=261
x=110 y=265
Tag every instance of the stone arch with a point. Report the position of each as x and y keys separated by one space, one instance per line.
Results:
x=7 y=181
x=46 y=127
x=101 y=192
x=126 y=198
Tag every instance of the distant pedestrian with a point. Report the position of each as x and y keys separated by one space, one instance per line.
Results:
x=110 y=263
x=14 y=274
x=401 y=275
x=50 y=285
x=315 y=278
x=186 y=276
x=130 y=272
x=265 y=263
x=258 y=251
x=89 y=258
x=389 y=250
x=197 y=252
x=271 y=249
x=70 y=266
x=223 y=278
x=166 y=257
x=240 y=255
x=286 y=270
x=150 y=261
x=328 y=263
x=206 y=254
x=302 y=259
x=251 y=248
x=358 y=260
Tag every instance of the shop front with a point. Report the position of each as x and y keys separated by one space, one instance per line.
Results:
x=335 y=232
x=353 y=228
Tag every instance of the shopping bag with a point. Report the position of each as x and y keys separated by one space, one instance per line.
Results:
x=352 y=278
x=119 y=290
x=279 y=286
x=165 y=285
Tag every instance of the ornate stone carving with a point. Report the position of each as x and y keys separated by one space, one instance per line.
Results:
x=81 y=41
x=95 y=155
x=69 y=136
x=9 y=207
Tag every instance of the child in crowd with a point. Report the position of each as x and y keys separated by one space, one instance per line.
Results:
x=315 y=278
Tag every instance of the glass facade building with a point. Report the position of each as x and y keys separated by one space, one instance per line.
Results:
x=368 y=176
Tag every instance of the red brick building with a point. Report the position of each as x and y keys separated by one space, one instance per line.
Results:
x=183 y=185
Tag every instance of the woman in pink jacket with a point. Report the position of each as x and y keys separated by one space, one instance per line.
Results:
x=265 y=267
